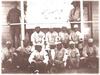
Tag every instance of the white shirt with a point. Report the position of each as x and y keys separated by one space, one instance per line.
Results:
x=74 y=36
x=6 y=53
x=42 y=55
x=51 y=38
x=64 y=36
x=38 y=38
x=79 y=34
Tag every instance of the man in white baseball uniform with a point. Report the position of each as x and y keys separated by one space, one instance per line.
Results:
x=76 y=34
x=51 y=38
x=64 y=36
x=39 y=59
x=37 y=37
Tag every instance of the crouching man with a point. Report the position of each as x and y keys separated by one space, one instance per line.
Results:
x=8 y=58
x=39 y=59
x=74 y=56
x=60 y=58
x=23 y=55
x=90 y=54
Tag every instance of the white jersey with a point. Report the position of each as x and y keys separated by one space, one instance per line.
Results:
x=74 y=36
x=38 y=38
x=51 y=38
x=64 y=36
x=39 y=56
x=79 y=34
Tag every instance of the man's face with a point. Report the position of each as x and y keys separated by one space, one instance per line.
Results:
x=8 y=46
x=37 y=29
x=90 y=44
x=72 y=46
x=15 y=5
x=38 y=48
x=59 y=46
x=76 y=5
x=64 y=29
x=25 y=44
x=76 y=29
x=69 y=31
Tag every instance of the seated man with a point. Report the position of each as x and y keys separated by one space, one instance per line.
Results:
x=60 y=57
x=90 y=54
x=51 y=38
x=39 y=59
x=63 y=34
x=74 y=55
x=75 y=35
x=37 y=37
x=8 y=54
x=23 y=55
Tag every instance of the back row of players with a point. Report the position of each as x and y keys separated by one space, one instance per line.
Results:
x=52 y=37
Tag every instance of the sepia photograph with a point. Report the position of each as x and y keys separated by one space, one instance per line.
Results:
x=50 y=37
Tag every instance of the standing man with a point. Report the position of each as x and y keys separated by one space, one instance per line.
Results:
x=13 y=16
x=75 y=13
x=37 y=37
x=64 y=37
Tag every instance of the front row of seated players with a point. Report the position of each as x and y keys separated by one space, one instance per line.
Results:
x=54 y=60
x=57 y=59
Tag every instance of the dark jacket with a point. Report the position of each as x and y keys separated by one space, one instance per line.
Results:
x=14 y=15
